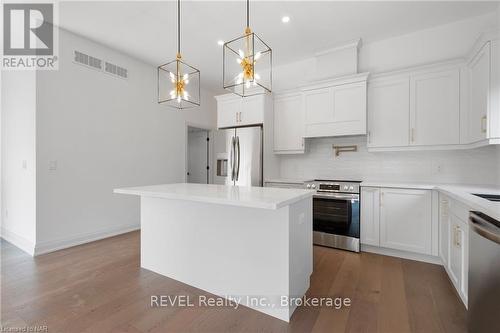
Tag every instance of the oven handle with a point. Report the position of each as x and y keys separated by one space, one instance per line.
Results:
x=354 y=197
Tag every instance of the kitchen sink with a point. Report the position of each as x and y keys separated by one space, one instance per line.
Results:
x=490 y=197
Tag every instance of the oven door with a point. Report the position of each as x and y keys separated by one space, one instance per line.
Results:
x=336 y=219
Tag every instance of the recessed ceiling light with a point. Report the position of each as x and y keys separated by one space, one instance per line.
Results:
x=285 y=19
x=220 y=42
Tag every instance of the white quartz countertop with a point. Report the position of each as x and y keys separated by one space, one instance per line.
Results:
x=255 y=197
x=462 y=193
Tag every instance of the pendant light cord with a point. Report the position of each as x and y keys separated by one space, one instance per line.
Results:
x=178 y=26
x=248 y=16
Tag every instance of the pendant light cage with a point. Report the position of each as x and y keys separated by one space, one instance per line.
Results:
x=247 y=63
x=247 y=69
x=178 y=82
x=178 y=85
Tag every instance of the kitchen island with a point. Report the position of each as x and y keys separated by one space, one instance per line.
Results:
x=252 y=245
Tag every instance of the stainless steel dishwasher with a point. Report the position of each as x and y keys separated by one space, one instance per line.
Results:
x=484 y=274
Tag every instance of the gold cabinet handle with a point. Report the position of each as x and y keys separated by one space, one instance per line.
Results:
x=483 y=124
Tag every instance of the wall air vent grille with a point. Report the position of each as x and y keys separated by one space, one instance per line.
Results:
x=85 y=59
x=115 y=70
x=96 y=63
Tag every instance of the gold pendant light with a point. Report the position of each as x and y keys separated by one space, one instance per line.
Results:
x=178 y=82
x=247 y=64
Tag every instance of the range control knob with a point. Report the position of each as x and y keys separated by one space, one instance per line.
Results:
x=346 y=187
x=308 y=185
x=351 y=188
x=313 y=186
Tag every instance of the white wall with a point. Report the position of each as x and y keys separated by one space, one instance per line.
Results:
x=104 y=132
x=18 y=158
x=472 y=166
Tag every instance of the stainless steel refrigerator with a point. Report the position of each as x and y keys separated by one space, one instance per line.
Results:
x=243 y=146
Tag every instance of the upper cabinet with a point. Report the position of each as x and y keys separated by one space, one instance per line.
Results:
x=479 y=71
x=235 y=111
x=448 y=105
x=336 y=107
x=389 y=112
x=288 y=123
x=435 y=108
x=415 y=109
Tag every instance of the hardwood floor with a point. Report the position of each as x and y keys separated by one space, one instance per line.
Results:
x=99 y=287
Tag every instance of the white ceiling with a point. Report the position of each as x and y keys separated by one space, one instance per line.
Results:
x=147 y=30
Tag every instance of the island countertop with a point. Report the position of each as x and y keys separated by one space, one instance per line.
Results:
x=254 y=197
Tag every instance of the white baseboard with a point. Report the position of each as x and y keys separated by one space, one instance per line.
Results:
x=402 y=254
x=18 y=241
x=55 y=245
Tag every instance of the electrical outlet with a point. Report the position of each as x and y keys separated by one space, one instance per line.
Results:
x=52 y=165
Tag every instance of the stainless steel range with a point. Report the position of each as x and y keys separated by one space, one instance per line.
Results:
x=336 y=213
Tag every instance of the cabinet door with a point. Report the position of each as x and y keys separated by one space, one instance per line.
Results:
x=444 y=225
x=349 y=108
x=228 y=112
x=389 y=112
x=479 y=70
x=252 y=110
x=435 y=108
x=318 y=105
x=406 y=220
x=456 y=264
x=369 y=216
x=288 y=123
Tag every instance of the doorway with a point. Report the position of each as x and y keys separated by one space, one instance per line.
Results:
x=198 y=155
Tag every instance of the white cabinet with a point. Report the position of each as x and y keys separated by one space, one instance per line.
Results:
x=288 y=123
x=336 y=108
x=227 y=112
x=415 y=109
x=389 y=112
x=444 y=225
x=435 y=108
x=233 y=110
x=369 y=216
x=406 y=220
x=319 y=106
x=479 y=71
x=454 y=243
x=252 y=110
x=458 y=257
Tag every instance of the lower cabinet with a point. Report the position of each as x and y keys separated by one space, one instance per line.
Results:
x=399 y=219
x=454 y=244
x=444 y=227
x=406 y=220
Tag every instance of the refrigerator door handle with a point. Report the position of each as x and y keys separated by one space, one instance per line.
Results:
x=232 y=156
x=238 y=157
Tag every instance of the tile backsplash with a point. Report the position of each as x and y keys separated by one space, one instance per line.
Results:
x=479 y=166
